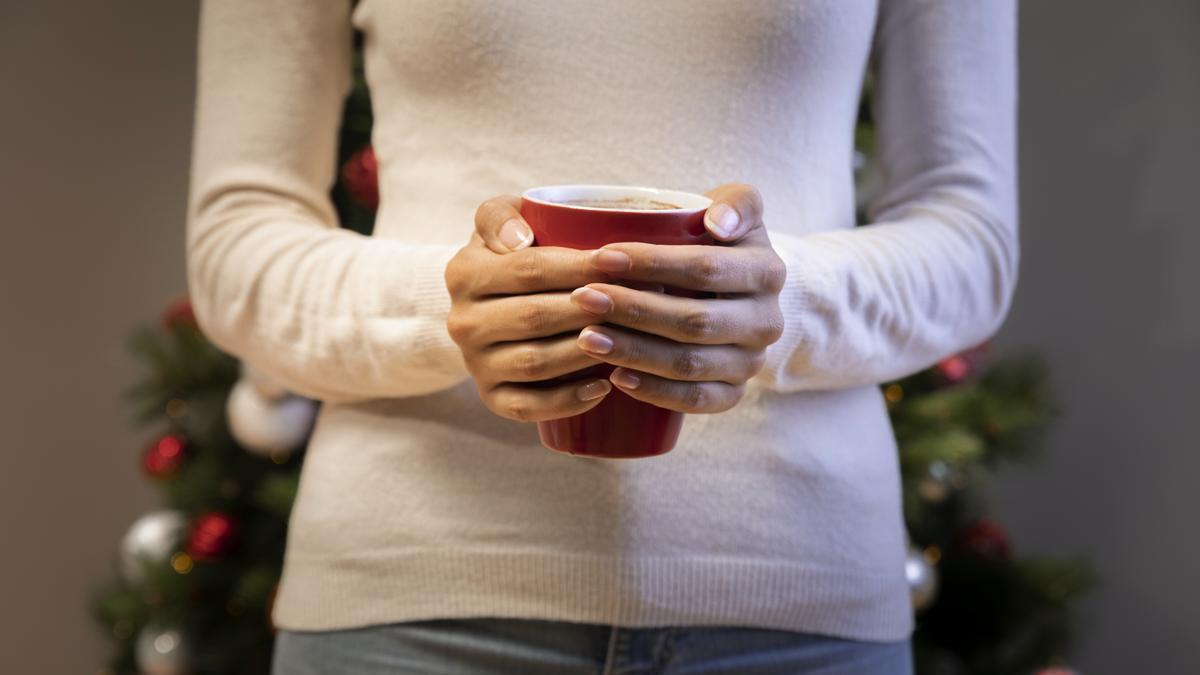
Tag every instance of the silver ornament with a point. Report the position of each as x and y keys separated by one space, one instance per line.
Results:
x=266 y=427
x=162 y=650
x=268 y=387
x=922 y=579
x=151 y=539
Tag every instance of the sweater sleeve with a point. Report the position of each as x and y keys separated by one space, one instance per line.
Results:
x=329 y=313
x=935 y=269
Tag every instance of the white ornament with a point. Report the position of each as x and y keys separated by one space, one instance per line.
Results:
x=162 y=650
x=265 y=427
x=922 y=579
x=151 y=539
x=267 y=386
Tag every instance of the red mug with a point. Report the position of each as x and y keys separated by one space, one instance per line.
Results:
x=588 y=217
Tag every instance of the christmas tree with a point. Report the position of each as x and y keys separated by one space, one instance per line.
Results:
x=197 y=579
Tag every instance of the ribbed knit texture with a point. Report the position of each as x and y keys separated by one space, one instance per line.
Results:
x=415 y=501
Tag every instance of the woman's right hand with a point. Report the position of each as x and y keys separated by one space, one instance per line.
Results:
x=511 y=315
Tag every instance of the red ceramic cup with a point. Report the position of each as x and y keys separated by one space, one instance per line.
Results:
x=588 y=217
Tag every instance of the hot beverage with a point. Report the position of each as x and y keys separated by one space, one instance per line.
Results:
x=624 y=204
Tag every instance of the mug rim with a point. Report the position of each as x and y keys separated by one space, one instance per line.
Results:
x=537 y=195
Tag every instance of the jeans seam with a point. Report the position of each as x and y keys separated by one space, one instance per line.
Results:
x=610 y=655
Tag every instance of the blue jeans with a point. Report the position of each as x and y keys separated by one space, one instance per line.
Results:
x=490 y=646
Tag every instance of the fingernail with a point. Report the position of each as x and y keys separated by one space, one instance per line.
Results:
x=611 y=261
x=515 y=235
x=625 y=379
x=595 y=342
x=592 y=300
x=721 y=220
x=593 y=390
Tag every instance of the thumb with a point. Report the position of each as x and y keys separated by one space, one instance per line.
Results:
x=735 y=212
x=499 y=224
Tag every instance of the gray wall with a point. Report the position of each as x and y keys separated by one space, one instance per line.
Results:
x=1110 y=295
x=94 y=126
x=95 y=119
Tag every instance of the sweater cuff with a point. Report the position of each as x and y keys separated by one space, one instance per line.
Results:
x=409 y=283
x=804 y=325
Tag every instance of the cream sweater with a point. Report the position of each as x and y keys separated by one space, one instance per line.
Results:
x=415 y=501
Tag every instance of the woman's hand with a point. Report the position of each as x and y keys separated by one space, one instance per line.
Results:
x=513 y=319
x=689 y=354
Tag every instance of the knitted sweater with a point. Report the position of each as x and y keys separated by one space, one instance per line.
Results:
x=415 y=501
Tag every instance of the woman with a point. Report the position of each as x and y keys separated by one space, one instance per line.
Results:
x=432 y=532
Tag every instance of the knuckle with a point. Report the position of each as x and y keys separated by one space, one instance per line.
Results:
x=532 y=316
x=459 y=328
x=519 y=410
x=528 y=267
x=529 y=362
x=755 y=363
x=706 y=271
x=488 y=211
x=695 y=398
x=698 y=324
x=687 y=364
x=774 y=273
x=635 y=311
x=511 y=405
x=456 y=281
x=753 y=198
x=772 y=327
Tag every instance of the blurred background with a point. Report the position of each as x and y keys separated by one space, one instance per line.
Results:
x=95 y=128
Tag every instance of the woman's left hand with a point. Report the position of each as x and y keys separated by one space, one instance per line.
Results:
x=689 y=354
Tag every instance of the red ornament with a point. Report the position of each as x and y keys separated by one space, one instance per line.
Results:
x=985 y=538
x=179 y=314
x=360 y=174
x=163 y=457
x=963 y=365
x=954 y=369
x=211 y=536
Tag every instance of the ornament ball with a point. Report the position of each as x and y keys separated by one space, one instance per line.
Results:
x=179 y=314
x=954 y=369
x=162 y=650
x=164 y=456
x=986 y=539
x=211 y=536
x=263 y=426
x=922 y=579
x=151 y=539
x=360 y=174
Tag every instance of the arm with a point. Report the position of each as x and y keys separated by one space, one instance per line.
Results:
x=329 y=313
x=935 y=271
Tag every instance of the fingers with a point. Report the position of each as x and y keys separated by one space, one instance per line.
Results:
x=499 y=224
x=517 y=317
x=531 y=403
x=736 y=210
x=476 y=272
x=688 y=397
x=752 y=321
x=721 y=269
x=533 y=360
x=666 y=358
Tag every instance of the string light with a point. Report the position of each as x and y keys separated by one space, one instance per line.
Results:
x=932 y=555
x=893 y=393
x=182 y=563
x=176 y=408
